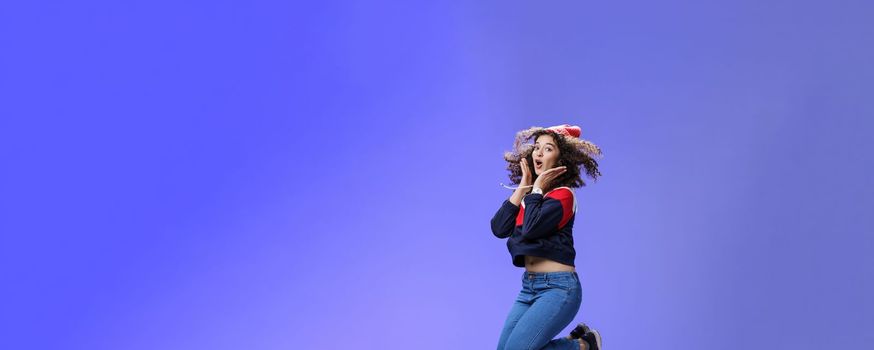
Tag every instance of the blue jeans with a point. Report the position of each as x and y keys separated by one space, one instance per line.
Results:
x=547 y=303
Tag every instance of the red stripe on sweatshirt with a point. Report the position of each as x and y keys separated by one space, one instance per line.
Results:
x=566 y=198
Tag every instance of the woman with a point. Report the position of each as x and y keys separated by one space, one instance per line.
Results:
x=539 y=226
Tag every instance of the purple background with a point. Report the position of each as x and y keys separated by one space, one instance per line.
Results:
x=273 y=175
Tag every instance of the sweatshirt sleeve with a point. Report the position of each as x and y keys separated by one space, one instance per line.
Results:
x=545 y=215
x=504 y=220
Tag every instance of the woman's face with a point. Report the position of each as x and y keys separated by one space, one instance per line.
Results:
x=545 y=154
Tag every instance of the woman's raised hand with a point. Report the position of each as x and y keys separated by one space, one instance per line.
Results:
x=547 y=178
x=526 y=175
x=524 y=184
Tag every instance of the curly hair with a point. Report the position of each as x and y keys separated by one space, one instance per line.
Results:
x=573 y=153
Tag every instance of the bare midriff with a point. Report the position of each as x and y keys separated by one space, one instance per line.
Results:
x=538 y=264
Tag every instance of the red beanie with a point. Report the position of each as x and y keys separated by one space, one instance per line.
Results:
x=566 y=130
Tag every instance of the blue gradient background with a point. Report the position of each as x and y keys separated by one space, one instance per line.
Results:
x=273 y=175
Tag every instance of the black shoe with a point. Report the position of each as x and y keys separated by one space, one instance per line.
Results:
x=593 y=337
x=580 y=330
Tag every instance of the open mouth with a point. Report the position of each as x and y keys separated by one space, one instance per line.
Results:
x=538 y=164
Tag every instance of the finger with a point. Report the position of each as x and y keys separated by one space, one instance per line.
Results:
x=556 y=173
x=550 y=171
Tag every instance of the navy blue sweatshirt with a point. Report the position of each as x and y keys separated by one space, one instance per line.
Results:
x=542 y=227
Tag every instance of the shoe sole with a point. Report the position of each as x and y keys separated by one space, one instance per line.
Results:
x=597 y=338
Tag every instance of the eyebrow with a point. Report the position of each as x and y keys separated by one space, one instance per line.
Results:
x=548 y=143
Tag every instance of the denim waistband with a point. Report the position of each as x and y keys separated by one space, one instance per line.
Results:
x=546 y=276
